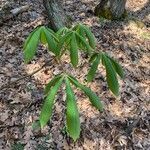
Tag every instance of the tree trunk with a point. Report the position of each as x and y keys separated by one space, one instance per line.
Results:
x=56 y=15
x=111 y=9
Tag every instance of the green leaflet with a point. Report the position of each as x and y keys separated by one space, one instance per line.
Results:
x=29 y=37
x=31 y=44
x=51 y=32
x=93 y=57
x=81 y=31
x=93 y=69
x=42 y=36
x=52 y=83
x=74 y=50
x=84 y=43
x=63 y=39
x=117 y=67
x=94 y=99
x=51 y=42
x=80 y=45
x=62 y=31
x=111 y=76
x=72 y=114
x=48 y=104
x=89 y=35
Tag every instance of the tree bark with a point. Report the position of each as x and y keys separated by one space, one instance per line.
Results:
x=111 y=9
x=56 y=14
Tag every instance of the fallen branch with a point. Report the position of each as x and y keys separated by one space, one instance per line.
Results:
x=10 y=84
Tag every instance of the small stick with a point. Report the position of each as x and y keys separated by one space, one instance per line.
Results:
x=19 y=10
x=10 y=84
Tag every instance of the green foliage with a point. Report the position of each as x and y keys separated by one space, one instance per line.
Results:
x=72 y=115
x=96 y=60
x=43 y=34
x=52 y=83
x=111 y=75
x=74 y=50
x=112 y=69
x=30 y=45
x=73 y=40
x=86 y=33
x=117 y=67
x=48 y=104
x=94 y=99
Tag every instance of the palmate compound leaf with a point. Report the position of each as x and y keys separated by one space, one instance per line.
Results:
x=94 y=99
x=46 y=111
x=111 y=75
x=72 y=114
x=117 y=67
x=93 y=68
x=74 y=50
x=31 y=44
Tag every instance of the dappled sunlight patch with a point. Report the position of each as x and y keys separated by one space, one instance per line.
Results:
x=116 y=109
x=86 y=109
x=42 y=76
x=136 y=28
x=104 y=144
x=136 y=5
x=91 y=20
x=145 y=35
x=39 y=21
x=145 y=89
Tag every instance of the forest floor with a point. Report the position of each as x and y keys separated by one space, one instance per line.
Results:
x=125 y=122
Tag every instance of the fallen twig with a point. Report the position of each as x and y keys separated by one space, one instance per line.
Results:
x=19 y=10
x=10 y=84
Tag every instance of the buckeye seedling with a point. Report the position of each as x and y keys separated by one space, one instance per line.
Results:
x=77 y=39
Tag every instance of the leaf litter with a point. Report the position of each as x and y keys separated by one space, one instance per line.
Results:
x=125 y=123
